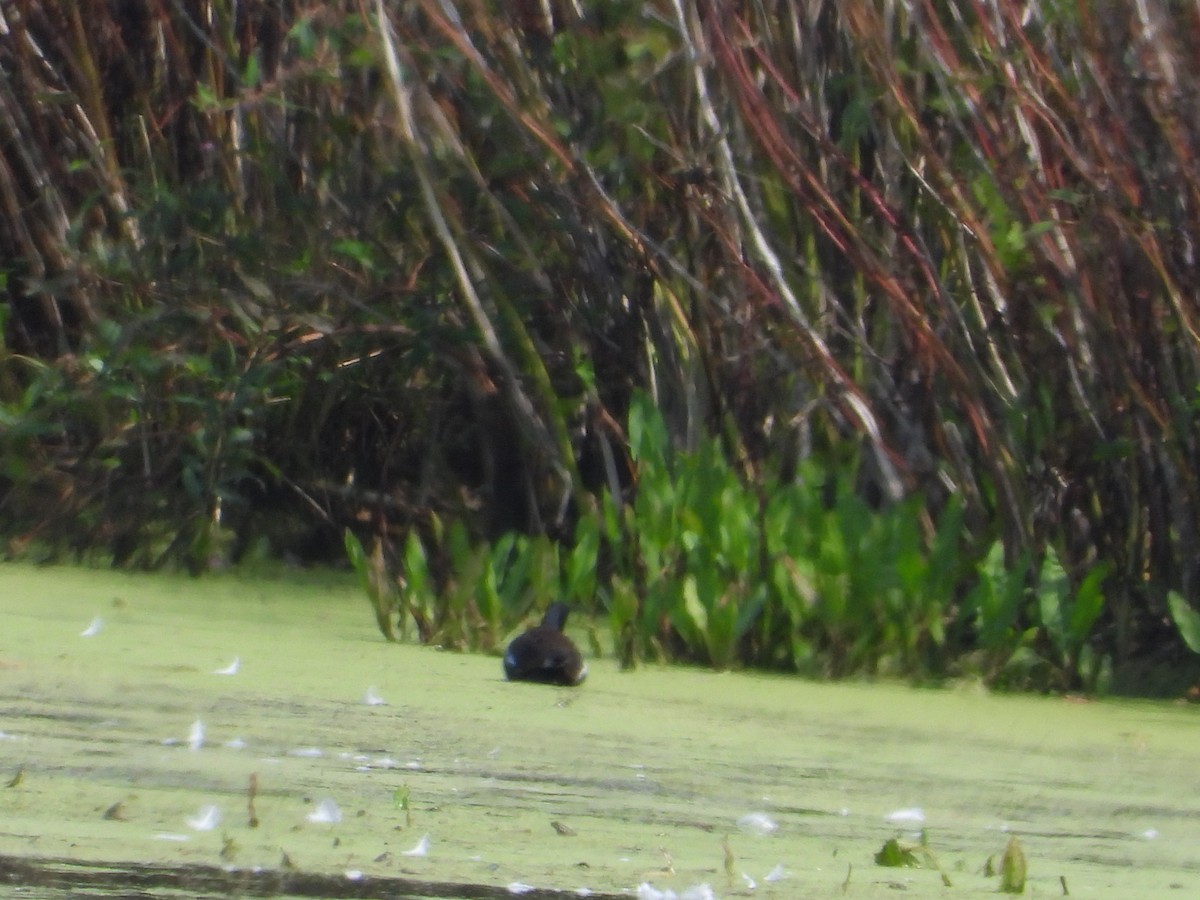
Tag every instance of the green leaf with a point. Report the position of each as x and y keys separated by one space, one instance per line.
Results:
x=1053 y=595
x=1013 y=868
x=943 y=569
x=1088 y=603
x=304 y=38
x=749 y=611
x=693 y=607
x=373 y=580
x=1186 y=619
x=487 y=600
x=997 y=598
x=253 y=72
x=206 y=100
x=401 y=797
x=647 y=431
x=359 y=251
x=898 y=854
x=416 y=568
x=357 y=557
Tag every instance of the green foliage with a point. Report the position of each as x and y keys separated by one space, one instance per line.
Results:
x=468 y=594
x=1186 y=619
x=898 y=854
x=374 y=581
x=695 y=545
x=402 y=800
x=860 y=586
x=1013 y=868
x=416 y=587
x=704 y=567
x=996 y=604
x=166 y=438
x=1068 y=612
x=1032 y=626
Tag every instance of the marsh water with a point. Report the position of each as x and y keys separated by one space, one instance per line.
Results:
x=137 y=711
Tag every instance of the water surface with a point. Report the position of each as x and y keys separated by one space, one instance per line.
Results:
x=634 y=778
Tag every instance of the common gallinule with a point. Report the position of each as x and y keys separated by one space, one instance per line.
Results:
x=544 y=654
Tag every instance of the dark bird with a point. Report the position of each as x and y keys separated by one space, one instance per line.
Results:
x=544 y=654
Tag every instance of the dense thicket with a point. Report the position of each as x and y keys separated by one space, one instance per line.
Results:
x=272 y=268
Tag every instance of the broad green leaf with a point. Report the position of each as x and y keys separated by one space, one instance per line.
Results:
x=1013 y=868
x=1088 y=603
x=1186 y=619
x=692 y=605
x=1053 y=596
x=416 y=568
x=898 y=854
